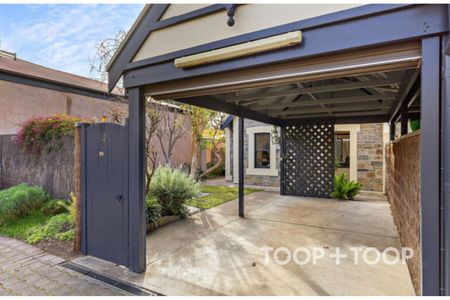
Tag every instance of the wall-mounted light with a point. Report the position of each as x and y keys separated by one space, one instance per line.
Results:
x=230 y=13
x=267 y=44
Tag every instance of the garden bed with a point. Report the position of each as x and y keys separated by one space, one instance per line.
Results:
x=28 y=214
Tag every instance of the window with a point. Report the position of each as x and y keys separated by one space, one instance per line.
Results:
x=262 y=150
x=342 y=149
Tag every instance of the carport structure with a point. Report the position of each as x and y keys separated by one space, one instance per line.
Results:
x=303 y=68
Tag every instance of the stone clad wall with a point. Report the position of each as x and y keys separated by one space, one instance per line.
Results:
x=370 y=156
x=370 y=160
x=403 y=193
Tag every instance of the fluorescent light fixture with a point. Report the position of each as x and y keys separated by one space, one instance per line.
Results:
x=267 y=44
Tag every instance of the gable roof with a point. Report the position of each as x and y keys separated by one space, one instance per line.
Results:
x=148 y=21
x=25 y=72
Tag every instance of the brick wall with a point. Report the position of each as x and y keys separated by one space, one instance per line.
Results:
x=370 y=156
x=403 y=193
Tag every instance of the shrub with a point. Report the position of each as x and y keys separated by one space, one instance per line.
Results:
x=40 y=132
x=344 y=189
x=55 y=207
x=20 y=200
x=58 y=227
x=415 y=125
x=172 y=188
x=72 y=208
x=153 y=211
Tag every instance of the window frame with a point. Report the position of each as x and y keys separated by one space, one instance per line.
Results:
x=251 y=170
x=255 y=150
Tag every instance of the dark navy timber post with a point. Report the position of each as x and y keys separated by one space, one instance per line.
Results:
x=241 y=166
x=445 y=89
x=136 y=179
x=430 y=163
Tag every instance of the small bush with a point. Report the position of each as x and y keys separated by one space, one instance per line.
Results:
x=58 y=227
x=344 y=189
x=72 y=208
x=55 y=207
x=20 y=200
x=153 y=211
x=46 y=132
x=172 y=188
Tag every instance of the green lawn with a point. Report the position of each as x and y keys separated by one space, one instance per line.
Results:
x=218 y=195
x=36 y=226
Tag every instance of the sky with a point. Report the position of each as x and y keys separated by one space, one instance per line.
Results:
x=62 y=36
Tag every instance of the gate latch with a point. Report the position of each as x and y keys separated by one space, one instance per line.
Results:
x=119 y=198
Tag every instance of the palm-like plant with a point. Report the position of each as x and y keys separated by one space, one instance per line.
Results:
x=343 y=188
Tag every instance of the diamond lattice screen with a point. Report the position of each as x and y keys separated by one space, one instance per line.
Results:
x=308 y=158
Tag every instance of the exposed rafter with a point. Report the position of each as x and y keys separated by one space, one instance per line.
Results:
x=343 y=114
x=317 y=89
x=332 y=109
x=327 y=101
x=408 y=83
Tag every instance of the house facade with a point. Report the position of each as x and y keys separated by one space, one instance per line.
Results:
x=359 y=152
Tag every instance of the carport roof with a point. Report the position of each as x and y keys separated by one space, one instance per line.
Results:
x=327 y=76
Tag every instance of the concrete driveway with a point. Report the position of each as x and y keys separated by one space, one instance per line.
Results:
x=217 y=253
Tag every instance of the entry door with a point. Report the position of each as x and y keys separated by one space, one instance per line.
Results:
x=106 y=192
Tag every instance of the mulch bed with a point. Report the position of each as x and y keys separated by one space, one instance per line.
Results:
x=59 y=248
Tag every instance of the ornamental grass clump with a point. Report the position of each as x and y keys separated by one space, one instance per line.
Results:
x=172 y=188
x=40 y=133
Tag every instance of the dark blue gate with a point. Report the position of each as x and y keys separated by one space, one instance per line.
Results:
x=104 y=191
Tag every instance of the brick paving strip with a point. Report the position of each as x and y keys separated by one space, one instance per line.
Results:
x=28 y=271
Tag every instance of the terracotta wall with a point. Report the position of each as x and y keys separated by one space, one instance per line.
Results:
x=403 y=193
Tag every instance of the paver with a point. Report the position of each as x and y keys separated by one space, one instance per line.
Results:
x=28 y=271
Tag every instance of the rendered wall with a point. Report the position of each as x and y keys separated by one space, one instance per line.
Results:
x=403 y=193
x=20 y=102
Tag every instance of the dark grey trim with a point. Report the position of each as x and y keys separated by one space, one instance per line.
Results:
x=445 y=165
x=134 y=43
x=388 y=26
x=241 y=166
x=391 y=131
x=56 y=86
x=310 y=23
x=208 y=102
x=136 y=180
x=430 y=163
x=83 y=195
x=282 y=169
x=404 y=118
x=227 y=122
x=447 y=45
